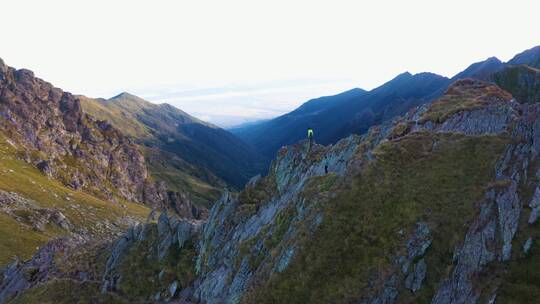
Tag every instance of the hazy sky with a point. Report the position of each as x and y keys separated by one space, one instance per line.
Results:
x=230 y=61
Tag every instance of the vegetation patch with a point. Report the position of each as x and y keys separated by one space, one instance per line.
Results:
x=141 y=267
x=85 y=211
x=522 y=81
x=66 y=291
x=437 y=178
x=464 y=95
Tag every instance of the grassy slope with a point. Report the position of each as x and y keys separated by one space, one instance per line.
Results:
x=66 y=291
x=181 y=176
x=519 y=278
x=421 y=177
x=123 y=120
x=175 y=172
x=141 y=267
x=463 y=97
x=82 y=209
x=522 y=81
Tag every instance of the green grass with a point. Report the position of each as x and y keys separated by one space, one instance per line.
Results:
x=141 y=267
x=17 y=240
x=66 y=291
x=127 y=115
x=123 y=119
x=411 y=181
x=521 y=81
x=463 y=96
x=82 y=209
x=178 y=175
x=519 y=278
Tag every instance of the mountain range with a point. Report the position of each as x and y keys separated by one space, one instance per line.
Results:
x=430 y=195
x=181 y=150
x=353 y=112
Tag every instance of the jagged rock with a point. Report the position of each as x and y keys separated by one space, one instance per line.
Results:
x=110 y=278
x=253 y=181
x=509 y=206
x=501 y=207
x=45 y=167
x=417 y=246
x=183 y=233
x=60 y=219
x=285 y=259
x=488 y=120
x=32 y=104
x=245 y=243
x=535 y=206
x=19 y=276
x=49 y=121
x=415 y=278
x=161 y=274
x=164 y=246
x=13 y=204
x=163 y=224
x=173 y=288
x=527 y=246
x=388 y=294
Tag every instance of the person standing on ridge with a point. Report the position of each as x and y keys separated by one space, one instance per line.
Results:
x=310 y=136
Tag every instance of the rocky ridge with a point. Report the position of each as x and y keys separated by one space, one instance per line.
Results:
x=438 y=206
x=51 y=132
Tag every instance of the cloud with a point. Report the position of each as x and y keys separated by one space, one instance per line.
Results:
x=232 y=105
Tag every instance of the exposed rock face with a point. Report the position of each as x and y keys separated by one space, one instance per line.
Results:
x=259 y=236
x=66 y=143
x=228 y=236
x=490 y=236
x=83 y=153
x=522 y=81
x=169 y=239
x=19 y=276
x=28 y=212
x=157 y=195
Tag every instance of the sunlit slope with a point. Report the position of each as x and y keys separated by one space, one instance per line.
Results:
x=88 y=215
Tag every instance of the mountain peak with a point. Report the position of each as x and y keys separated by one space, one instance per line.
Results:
x=480 y=70
x=405 y=74
x=493 y=59
x=530 y=57
x=129 y=101
x=125 y=95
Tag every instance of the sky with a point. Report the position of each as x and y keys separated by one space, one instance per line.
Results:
x=235 y=61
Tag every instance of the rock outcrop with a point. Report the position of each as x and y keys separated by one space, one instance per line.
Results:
x=84 y=153
x=437 y=206
x=29 y=213
x=19 y=276
x=65 y=143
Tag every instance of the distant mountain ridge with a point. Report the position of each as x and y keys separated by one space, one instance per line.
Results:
x=440 y=206
x=213 y=153
x=530 y=57
x=335 y=117
x=53 y=134
x=353 y=112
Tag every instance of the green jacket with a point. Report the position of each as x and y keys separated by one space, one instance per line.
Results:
x=309 y=133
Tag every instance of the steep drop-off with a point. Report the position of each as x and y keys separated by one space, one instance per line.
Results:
x=204 y=151
x=64 y=173
x=353 y=112
x=440 y=206
x=53 y=134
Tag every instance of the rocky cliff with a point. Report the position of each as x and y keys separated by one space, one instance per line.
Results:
x=440 y=206
x=522 y=81
x=53 y=134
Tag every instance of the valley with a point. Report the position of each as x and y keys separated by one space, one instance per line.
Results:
x=423 y=190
